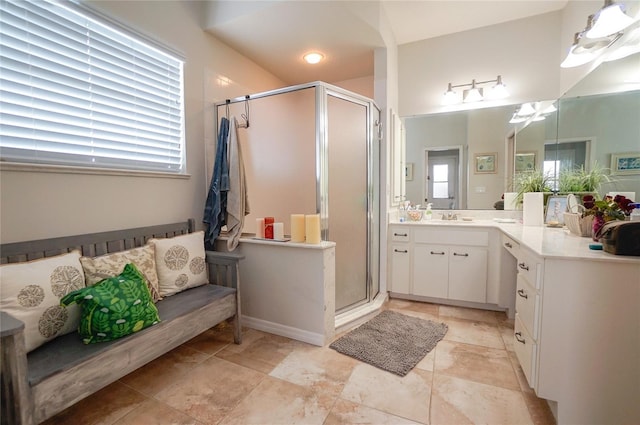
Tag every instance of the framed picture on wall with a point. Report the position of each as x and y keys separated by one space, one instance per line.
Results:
x=486 y=163
x=625 y=163
x=525 y=161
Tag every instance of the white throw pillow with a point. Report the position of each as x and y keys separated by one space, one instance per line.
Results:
x=31 y=292
x=110 y=265
x=180 y=262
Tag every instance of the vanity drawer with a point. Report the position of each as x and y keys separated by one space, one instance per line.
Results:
x=510 y=245
x=530 y=266
x=526 y=351
x=400 y=234
x=527 y=306
x=451 y=235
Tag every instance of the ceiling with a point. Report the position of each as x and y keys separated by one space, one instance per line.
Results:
x=276 y=34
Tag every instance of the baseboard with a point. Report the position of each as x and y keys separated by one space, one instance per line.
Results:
x=443 y=301
x=283 y=330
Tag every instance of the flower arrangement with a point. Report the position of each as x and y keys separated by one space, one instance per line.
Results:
x=607 y=209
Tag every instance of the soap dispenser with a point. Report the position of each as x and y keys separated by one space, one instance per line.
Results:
x=428 y=214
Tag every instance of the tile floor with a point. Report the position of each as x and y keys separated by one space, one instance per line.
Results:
x=471 y=377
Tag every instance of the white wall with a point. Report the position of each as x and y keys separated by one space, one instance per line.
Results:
x=362 y=86
x=38 y=205
x=524 y=52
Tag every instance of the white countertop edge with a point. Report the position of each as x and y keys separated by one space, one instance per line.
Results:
x=250 y=238
x=552 y=243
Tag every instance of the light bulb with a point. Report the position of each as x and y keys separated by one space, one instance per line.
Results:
x=313 y=57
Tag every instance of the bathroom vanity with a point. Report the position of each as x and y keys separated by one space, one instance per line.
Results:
x=577 y=311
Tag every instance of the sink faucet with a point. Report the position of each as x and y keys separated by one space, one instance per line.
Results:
x=450 y=216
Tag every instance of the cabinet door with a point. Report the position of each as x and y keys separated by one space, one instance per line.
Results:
x=468 y=274
x=397 y=160
x=430 y=270
x=400 y=268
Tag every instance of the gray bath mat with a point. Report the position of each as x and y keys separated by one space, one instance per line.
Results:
x=391 y=341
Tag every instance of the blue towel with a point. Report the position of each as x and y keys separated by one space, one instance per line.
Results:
x=216 y=205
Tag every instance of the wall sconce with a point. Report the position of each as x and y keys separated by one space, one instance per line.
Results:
x=475 y=93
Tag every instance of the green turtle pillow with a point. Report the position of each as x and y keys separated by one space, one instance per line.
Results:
x=114 y=307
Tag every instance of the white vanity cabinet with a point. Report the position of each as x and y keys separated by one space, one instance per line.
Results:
x=447 y=263
x=577 y=326
x=401 y=260
x=528 y=302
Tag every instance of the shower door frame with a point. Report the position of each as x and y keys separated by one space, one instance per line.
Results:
x=322 y=92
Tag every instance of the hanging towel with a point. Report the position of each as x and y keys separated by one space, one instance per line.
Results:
x=237 y=199
x=215 y=207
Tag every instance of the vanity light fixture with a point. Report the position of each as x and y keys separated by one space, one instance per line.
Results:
x=628 y=45
x=536 y=111
x=609 y=20
x=475 y=93
x=599 y=36
x=450 y=97
x=313 y=57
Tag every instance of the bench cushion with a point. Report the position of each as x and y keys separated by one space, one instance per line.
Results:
x=68 y=351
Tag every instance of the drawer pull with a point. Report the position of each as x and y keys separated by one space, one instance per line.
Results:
x=460 y=255
x=519 y=338
x=400 y=234
x=437 y=253
x=508 y=245
x=404 y=251
x=522 y=294
x=523 y=266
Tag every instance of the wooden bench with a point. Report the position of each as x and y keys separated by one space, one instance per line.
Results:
x=39 y=384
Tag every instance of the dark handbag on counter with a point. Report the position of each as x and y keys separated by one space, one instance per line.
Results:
x=620 y=237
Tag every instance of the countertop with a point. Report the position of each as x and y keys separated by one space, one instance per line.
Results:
x=544 y=241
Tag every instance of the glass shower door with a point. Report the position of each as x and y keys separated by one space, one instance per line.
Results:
x=349 y=132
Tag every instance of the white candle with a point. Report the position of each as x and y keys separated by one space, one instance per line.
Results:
x=297 y=227
x=278 y=231
x=312 y=228
x=260 y=228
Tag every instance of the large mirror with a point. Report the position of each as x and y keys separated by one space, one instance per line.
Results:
x=597 y=124
x=603 y=112
x=458 y=159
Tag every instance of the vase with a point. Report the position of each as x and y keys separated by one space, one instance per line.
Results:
x=598 y=222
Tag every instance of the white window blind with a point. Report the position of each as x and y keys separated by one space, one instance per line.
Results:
x=74 y=91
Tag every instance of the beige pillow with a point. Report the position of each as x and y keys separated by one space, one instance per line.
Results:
x=109 y=265
x=180 y=262
x=31 y=292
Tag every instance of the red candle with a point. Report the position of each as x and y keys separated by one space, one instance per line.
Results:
x=268 y=227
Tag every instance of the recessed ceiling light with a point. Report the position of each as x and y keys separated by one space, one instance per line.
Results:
x=313 y=57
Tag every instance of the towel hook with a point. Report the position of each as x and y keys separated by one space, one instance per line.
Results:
x=245 y=116
x=228 y=101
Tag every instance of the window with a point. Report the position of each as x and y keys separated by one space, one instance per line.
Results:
x=441 y=181
x=75 y=90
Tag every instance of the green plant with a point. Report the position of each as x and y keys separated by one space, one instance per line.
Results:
x=579 y=180
x=531 y=181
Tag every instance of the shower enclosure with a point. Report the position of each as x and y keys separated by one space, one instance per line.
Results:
x=315 y=148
